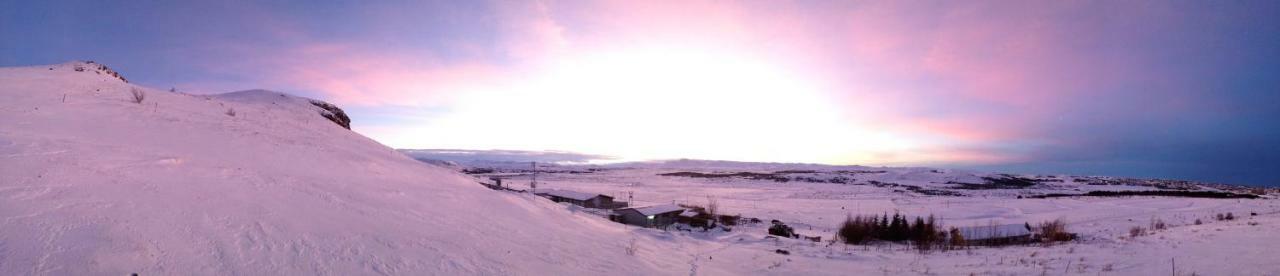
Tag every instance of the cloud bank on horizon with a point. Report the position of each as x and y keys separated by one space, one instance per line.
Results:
x=1175 y=89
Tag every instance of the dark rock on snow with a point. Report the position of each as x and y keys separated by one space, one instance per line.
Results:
x=333 y=113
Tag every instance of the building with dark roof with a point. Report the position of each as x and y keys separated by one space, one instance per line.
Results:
x=588 y=200
x=656 y=216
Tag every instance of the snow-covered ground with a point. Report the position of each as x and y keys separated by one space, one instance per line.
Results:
x=815 y=206
x=97 y=184
x=259 y=183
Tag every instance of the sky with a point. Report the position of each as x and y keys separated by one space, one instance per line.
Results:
x=1167 y=89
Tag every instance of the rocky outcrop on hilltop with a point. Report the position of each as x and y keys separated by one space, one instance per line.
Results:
x=333 y=113
x=90 y=66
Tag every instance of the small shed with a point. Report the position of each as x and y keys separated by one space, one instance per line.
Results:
x=578 y=198
x=997 y=234
x=694 y=218
x=656 y=216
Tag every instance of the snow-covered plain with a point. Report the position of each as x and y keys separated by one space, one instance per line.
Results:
x=258 y=183
x=815 y=206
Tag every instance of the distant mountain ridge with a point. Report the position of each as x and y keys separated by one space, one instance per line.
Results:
x=519 y=161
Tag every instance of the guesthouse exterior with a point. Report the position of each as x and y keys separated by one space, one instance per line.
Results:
x=992 y=235
x=587 y=200
x=656 y=216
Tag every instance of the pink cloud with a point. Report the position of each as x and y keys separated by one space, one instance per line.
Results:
x=353 y=73
x=355 y=76
x=967 y=73
x=362 y=77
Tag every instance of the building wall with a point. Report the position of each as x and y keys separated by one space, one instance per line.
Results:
x=665 y=219
x=595 y=202
x=599 y=202
x=569 y=200
x=632 y=217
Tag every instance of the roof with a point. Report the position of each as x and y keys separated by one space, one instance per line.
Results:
x=569 y=194
x=657 y=209
x=994 y=231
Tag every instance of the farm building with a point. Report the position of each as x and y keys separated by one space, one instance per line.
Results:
x=581 y=199
x=694 y=218
x=656 y=216
x=688 y=214
x=997 y=234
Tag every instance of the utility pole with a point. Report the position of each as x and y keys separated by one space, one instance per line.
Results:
x=533 y=182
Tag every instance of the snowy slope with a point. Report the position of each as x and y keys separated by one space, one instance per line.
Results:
x=1194 y=243
x=98 y=184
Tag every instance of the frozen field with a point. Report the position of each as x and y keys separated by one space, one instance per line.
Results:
x=1245 y=246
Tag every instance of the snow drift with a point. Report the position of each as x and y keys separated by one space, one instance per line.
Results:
x=251 y=183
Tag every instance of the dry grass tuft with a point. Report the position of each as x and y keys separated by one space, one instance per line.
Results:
x=138 y=95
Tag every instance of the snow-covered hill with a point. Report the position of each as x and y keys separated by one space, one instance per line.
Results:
x=253 y=183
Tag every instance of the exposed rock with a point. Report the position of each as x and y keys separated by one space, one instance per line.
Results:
x=275 y=100
x=333 y=113
x=99 y=68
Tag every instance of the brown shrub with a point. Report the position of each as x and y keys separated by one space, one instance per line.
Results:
x=729 y=220
x=138 y=95
x=857 y=229
x=713 y=206
x=1227 y=216
x=632 y=247
x=924 y=234
x=956 y=240
x=1137 y=231
x=1055 y=231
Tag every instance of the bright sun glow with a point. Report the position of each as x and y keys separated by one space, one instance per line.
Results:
x=657 y=103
